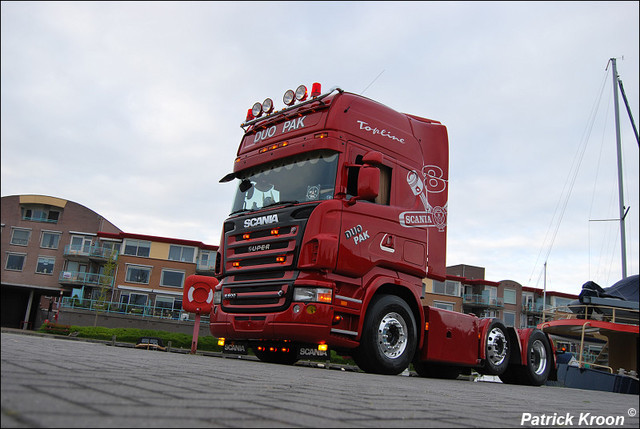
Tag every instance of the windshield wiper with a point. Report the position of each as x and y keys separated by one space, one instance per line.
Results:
x=289 y=202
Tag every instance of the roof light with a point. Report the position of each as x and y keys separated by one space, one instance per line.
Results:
x=289 y=97
x=256 y=110
x=316 y=89
x=267 y=106
x=249 y=115
x=301 y=93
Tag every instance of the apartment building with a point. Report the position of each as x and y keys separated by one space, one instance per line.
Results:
x=466 y=290
x=54 y=248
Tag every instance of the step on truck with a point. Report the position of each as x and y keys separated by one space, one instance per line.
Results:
x=339 y=220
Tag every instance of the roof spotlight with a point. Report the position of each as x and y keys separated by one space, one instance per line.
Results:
x=289 y=97
x=301 y=93
x=267 y=106
x=256 y=110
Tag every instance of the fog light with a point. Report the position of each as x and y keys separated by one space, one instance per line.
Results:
x=221 y=341
x=311 y=309
x=289 y=97
x=267 y=106
x=301 y=93
x=296 y=309
x=256 y=110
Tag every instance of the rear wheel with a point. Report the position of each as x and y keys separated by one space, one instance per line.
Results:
x=539 y=360
x=497 y=350
x=389 y=338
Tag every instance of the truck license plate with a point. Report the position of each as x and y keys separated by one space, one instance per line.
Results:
x=235 y=348
x=312 y=353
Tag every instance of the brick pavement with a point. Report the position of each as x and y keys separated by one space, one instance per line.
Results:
x=53 y=382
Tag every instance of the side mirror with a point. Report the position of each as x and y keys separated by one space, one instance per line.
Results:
x=368 y=184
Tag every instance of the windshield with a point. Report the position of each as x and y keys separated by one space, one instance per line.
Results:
x=306 y=177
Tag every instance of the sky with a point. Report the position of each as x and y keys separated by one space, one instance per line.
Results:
x=133 y=109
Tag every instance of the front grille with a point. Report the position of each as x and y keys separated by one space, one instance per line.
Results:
x=259 y=262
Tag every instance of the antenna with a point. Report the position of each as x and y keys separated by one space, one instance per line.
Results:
x=376 y=78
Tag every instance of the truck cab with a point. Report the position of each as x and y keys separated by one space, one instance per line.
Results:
x=340 y=200
x=340 y=214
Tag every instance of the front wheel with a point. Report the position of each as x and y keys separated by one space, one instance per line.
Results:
x=389 y=338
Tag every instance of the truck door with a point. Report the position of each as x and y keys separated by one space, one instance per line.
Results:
x=371 y=234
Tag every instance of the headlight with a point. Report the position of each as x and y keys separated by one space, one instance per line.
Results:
x=312 y=294
x=217 y=297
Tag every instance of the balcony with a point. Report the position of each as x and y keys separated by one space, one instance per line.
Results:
x=85 y=253
x=532 y=307
x=78 y=278
x=475 y=300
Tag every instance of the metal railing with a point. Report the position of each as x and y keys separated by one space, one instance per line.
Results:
x=90 y=251
x=476 y=299
x=146 y=310
x=84 y=278
x=592 y=312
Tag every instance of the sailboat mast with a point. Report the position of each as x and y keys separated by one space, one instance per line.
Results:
x=623 y=239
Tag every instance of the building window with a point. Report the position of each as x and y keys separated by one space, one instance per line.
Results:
x=444 y=305
x=40 y=214
x=137 y=248
x=110 y=247
x=20 y=237
x=448 y=287
x=50 y=240
x=80 y=244
x=509 y=318
x=208 y=260
x=15 y=261
x=172 y=278
x=134 y=301
x=138 y=274
x=509 y=296
x=45 y=265
x=181 y=253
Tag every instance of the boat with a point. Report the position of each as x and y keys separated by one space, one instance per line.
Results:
x=603 y=319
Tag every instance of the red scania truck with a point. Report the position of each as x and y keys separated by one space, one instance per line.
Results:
x=339 y=218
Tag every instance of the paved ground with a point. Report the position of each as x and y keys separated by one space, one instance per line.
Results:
x=52 y=382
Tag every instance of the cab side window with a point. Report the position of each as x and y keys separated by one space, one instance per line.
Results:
x=384 y=197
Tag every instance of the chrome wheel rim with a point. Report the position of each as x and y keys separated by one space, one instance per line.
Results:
x=392 y=335
x=496 y=346
x=538 y=357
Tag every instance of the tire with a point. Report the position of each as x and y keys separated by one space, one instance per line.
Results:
x=389 y=337
x=539 y=360
x=282 y=358
x=513 y=375
x=497 y=349
x=446 y=372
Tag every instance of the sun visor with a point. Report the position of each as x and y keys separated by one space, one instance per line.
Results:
x=228 y=178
